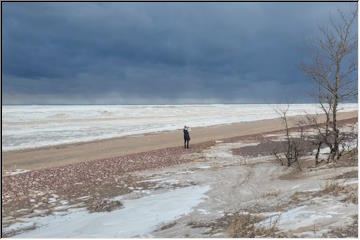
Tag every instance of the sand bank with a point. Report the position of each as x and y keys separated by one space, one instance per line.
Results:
x=61 y=155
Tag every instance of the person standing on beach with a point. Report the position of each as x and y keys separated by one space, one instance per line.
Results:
x=186 y=137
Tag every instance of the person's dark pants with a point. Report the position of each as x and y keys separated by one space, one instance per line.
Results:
x=186 y=143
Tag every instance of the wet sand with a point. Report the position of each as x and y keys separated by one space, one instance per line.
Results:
x=61 y=155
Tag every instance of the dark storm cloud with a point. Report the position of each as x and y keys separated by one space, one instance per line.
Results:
x=158 y=52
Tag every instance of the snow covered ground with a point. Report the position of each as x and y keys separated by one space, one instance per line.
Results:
x=138 y=218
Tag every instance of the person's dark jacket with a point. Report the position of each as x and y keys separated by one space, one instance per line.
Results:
x=186 y=135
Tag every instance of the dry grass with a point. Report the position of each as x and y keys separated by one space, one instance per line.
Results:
x=336 y=189
x=105 y=206
x=351 y=174
x=300 y=197
x=244 y=226
x=350 y=231
x=239 y=225
x=352 y=198
x=332 y=188
x=271 y=194
x=348 y=159
x=292 y=174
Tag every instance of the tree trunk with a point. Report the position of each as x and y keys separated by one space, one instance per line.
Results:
x=335 y=150
x=317 y=154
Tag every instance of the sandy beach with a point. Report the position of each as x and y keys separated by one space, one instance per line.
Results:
x=61 y=155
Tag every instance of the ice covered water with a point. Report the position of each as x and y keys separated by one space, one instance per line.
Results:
x=44 y=125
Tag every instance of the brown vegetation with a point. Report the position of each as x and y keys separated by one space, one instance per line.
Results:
x=104 y=206
x=244 y=226
x=350 y=231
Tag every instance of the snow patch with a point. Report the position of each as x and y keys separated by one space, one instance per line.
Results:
x=203 y=211
x=15 y=172
x=224 y=150
x=139 y=217
x=204 y=167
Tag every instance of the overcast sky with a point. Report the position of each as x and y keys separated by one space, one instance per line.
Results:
x=105 y=53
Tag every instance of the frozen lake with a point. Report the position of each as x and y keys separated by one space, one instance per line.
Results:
x=30 y=126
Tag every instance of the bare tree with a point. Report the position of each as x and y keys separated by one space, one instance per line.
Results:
x=333 y=70
x=294 y=146
x=323 y=136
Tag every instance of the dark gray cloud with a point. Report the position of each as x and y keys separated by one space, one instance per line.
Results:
x=158 y=52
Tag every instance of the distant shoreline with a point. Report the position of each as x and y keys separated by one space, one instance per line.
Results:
x=60 y=155
x=154 y=104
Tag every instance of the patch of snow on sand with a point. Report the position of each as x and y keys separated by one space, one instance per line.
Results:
x=332 y=213
x=184 y=172
x=204 y=167
x=15 y=172
x=203 y=211
x=279 y=137
x=223 y=150
x=295 y=218
x=139 y=217
x=296 y=134
x=354 y=181
x=349 y=145
x=349 y=128
x=155 y=180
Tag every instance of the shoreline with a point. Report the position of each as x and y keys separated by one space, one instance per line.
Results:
x=61 y=155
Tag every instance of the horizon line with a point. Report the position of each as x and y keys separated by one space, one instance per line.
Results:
x=34 y=104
